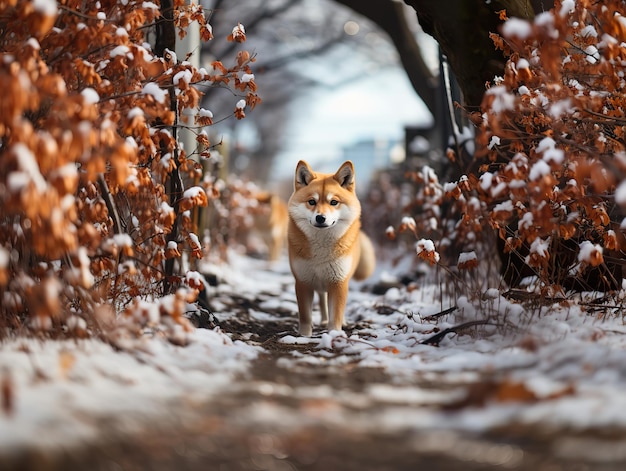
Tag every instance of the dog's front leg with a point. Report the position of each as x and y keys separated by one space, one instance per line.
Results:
x=323 y=297
x=337 y=297
x=304 y=295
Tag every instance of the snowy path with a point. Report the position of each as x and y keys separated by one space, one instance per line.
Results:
x=545 y=391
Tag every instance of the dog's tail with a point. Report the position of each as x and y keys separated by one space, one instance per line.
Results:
x=367 y=258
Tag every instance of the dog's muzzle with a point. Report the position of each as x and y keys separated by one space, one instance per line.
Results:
x=320 y=221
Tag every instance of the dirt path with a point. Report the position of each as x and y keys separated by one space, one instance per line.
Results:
x=277 y=417
x=299 y=407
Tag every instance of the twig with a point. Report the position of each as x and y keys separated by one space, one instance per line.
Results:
x=521 y=295
x=440 y=314
x=386 y=309
x=600 y=306
x=438 y=337
x=110 y=204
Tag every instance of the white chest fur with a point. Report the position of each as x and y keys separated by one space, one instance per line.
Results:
x=325 y=266
x=322 y=270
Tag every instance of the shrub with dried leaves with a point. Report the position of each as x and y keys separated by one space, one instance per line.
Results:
x=550 y=158
x=96 y=194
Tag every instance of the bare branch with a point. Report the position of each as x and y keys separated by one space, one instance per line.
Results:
x=389 y=15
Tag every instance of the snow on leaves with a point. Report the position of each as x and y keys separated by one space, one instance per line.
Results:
x=238 y=34
x=425 y=249
x=88 y=150
x=550 y=156
x=552 y=133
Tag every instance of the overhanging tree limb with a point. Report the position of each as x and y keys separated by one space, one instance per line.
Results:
x=389 y=15
x=462 y=27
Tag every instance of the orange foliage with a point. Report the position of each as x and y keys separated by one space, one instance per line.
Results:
x=87 y=148
x=550 y=149
x=557 y=114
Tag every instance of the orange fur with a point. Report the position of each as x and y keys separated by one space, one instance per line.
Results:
x=326 y=245
x=270 y=222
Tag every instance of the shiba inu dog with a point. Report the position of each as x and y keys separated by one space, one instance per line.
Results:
x=270 y=222
x=326 y=245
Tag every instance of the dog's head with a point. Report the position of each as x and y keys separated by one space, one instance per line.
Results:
x=324 y=200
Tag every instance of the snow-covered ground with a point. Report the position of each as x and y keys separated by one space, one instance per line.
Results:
x=557 y=367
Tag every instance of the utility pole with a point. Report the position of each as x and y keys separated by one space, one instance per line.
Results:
x=188 y=49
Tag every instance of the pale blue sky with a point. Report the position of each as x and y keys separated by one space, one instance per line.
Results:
x=375 y=106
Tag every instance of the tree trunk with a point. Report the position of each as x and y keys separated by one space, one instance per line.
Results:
x=462 y=27
x=165 y=29
x=166 y=40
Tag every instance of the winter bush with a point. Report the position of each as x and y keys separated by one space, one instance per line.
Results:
x=550 y=156
x=98 y=199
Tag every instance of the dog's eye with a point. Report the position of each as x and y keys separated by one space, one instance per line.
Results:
x=312 y=202
x=334 y=202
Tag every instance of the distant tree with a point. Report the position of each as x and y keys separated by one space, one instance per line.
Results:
x=297 y=43
x=392 y=17
x=95 y=192
x=462 y=30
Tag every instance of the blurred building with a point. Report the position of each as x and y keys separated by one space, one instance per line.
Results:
x=369 y=156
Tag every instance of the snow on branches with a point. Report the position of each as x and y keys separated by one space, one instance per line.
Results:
x=550 y=160
x=552 y=138
x=88 y=148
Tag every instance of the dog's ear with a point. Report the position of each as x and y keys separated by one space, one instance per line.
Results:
x=345 y=175
x=304 y=175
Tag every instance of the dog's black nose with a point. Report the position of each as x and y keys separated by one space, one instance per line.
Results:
x=320 y=219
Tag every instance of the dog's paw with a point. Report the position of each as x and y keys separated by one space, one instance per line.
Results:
x=306 y=330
